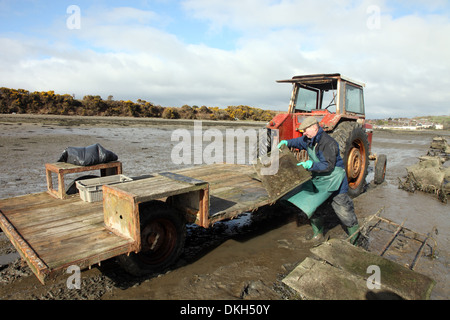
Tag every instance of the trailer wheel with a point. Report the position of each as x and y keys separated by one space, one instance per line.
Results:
x=163 y=233
x=380 y=169
x=354 y=149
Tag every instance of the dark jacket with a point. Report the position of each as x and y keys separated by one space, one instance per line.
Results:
x=327 y=151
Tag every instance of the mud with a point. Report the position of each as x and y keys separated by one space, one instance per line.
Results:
x=245 y=258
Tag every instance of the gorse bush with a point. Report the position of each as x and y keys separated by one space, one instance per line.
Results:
x=22 y=101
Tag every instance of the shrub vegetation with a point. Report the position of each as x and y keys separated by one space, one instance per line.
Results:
x=22 y=101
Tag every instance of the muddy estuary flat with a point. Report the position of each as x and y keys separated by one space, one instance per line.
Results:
x=245 y=258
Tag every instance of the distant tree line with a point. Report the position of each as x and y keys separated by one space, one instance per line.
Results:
x=23 y=101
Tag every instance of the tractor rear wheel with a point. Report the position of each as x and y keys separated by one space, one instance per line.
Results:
x=163 y=233
x=354 y=149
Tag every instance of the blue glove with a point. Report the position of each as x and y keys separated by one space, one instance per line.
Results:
x=307 y=164
x=282 y=143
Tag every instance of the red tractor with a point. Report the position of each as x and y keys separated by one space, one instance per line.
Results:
x=338 y=104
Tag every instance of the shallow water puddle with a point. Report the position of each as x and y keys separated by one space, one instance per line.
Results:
x=8 y=258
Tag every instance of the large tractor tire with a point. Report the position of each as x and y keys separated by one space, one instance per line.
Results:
x=163 y=233
x=354 y=149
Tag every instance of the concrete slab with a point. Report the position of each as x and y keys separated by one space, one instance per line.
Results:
x=341 y=271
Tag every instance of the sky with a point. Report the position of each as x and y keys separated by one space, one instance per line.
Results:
x=229 y=52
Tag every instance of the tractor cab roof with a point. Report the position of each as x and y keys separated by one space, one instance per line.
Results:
x=321 y=81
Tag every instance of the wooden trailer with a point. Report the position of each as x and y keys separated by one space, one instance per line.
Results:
x=142 y=222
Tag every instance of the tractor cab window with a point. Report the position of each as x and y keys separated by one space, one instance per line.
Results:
x=306 y=99
x=329 y=100
x=354 y=99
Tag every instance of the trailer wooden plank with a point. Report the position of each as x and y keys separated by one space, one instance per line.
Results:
x=36 y=218
x=228 y=180
x=84 y=260
x=239 y=196
x=237 y=186
x=59 y=236
x=231 y=181
x=36 y=237
x=16 y=204
x=84 y=246
x=52 y=233
x=83 y=243
x=179 y=177
x=233 y=189
x=39 y=229
x=36 y=264
x=208 y=172
x=155 y=188
x=223 y=175
x=212 y=174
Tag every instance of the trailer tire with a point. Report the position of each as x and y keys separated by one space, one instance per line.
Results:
x=380 y=169
x=354 y=150
x=163 y=233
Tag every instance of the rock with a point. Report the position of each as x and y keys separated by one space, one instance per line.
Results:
x=257 y=290
x=430 y=175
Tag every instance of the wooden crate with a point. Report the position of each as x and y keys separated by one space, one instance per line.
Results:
x=63 y=168
x=121 y=201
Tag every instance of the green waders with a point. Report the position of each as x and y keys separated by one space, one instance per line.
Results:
x=310 y=195
x=352 y=230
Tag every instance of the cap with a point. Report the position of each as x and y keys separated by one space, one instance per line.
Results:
x=308 y=122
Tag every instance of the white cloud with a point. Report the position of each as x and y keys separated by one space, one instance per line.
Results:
x=127 y=15
x=399 y=58
x=127 y=52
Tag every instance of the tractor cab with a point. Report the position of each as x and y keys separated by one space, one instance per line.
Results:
x=337 y=102
x=331 y=98
x=331 y=92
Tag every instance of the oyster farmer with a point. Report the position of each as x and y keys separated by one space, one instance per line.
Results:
x=328 y=179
